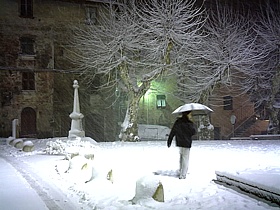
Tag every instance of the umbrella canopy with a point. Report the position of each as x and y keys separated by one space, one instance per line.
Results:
x=195 y=108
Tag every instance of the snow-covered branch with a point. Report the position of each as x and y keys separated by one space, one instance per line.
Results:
x=263 y=80
x=228 y=51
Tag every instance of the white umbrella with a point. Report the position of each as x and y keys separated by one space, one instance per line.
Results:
x=195 y=108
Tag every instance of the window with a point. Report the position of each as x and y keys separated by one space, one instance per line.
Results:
x=91 y=15
x=26 y=8
x=228 y=105
x=6 y=98
x=161 y=102
x=27 y=46
x=28 y=81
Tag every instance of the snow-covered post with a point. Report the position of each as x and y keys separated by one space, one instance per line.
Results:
x=76 y=116
x=15 y=128
x=147 y=188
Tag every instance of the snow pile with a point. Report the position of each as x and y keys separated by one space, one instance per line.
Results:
x=65 y=146
x=79 y=155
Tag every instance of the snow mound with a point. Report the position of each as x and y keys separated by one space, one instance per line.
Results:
x=9 y=141
x=147 y=188
x=18 y=143
x=67 y=146
x=79 y=154
x=28 y=146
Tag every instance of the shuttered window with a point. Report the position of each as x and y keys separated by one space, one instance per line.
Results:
x=228 y=104
x=26 y=8
x=27 y=46
x=28 y=81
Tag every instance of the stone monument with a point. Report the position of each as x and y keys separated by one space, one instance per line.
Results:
x=76 y=116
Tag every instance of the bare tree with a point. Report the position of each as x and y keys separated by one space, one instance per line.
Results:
x=263 y=80
x=227 y=52
x=134 y=44
x=223 y=59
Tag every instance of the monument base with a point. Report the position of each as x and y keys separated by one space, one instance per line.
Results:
x=76 y=133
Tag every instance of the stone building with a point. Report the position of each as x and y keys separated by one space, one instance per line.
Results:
x=35 y=76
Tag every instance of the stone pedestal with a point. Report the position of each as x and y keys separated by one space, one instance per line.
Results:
x=76 y=116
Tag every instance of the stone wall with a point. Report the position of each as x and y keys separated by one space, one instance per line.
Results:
x=49 y=28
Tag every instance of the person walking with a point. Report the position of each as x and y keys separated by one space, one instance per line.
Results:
x=183 y=130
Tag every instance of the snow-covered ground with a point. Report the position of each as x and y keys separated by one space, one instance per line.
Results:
x=131 y=161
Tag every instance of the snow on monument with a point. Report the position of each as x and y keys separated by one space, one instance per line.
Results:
x=76 y=116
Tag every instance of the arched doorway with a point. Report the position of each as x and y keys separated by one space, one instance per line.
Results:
x=28 y=122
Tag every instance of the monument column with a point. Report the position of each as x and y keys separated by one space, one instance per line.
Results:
x=76 y=116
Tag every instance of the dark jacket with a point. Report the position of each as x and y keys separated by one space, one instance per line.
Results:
x=183 y=130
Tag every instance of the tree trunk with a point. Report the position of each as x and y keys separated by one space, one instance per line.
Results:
x=273 y=126
x=129 y=130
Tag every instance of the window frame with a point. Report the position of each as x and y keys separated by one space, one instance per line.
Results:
x=28 y=80
x=228 y=102
x=91 y=15
x=26 y=8
x=27 y=46
x=161 y=101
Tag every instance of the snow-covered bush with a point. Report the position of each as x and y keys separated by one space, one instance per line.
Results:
x=55 y=147
x=72 y=148
x=79 y=155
